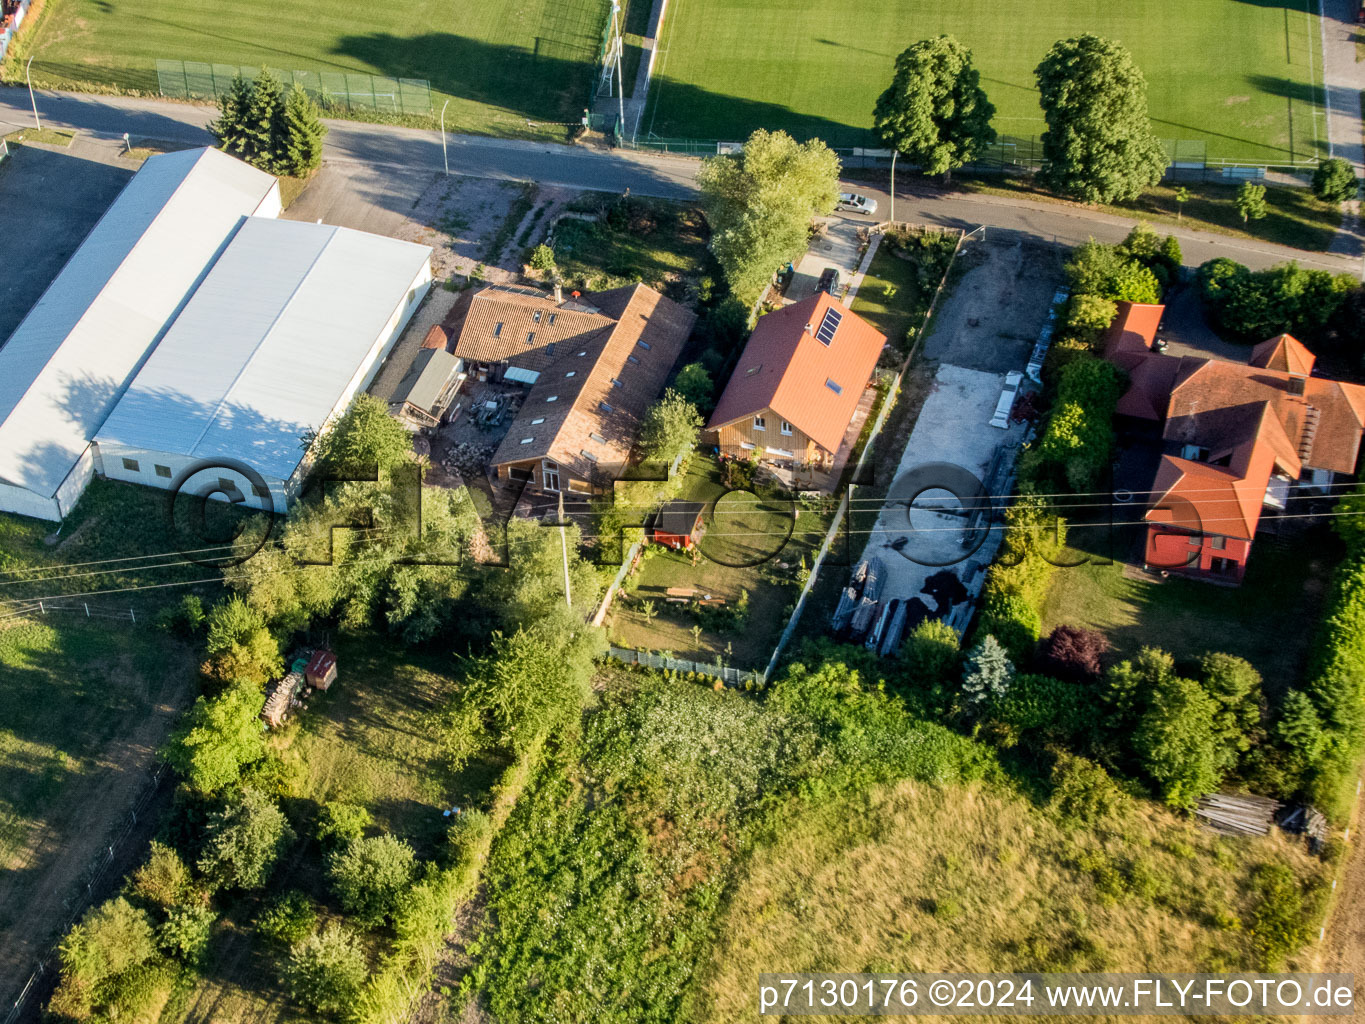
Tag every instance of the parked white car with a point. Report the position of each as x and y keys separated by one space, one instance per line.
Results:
x=851 y=202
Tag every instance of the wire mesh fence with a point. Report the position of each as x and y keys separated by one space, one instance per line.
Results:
x=1187 y=159
x=727 y=674
x=333 y=90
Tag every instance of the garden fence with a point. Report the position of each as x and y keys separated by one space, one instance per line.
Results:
x=29 y=609
x=727 y=674
x=333 y=90
x=94 y=875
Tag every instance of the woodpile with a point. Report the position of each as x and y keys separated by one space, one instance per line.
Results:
x=283 y=699
x=1236 y=814
x=1307 y=821
x=467 y=459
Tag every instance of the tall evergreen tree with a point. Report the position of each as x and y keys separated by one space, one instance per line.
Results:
x=935 y=111
x=229 y=127
x=1099 y=145
x=302 y=135
x=263 y=121
x=988 y=671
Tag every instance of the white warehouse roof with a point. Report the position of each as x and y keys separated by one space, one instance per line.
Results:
x=67 y=363
x=268 y=344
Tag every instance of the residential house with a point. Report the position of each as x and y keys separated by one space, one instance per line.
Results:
x=1235 y=439
x=593 y=364
x=798 y=385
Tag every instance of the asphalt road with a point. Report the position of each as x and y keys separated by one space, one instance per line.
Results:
x=378 y=146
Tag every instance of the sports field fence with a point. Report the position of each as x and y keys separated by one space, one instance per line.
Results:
x=333 y=90
x=1187 y=159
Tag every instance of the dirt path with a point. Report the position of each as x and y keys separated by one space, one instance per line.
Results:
x=1343 y=949
x=47 y=881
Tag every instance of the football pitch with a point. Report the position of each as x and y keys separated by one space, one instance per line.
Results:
x=498 y=62
x=1240 y=76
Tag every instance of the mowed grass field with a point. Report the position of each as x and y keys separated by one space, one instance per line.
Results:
x=499 y=62
x=1240 y=75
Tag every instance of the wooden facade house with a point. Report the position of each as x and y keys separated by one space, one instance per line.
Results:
x=797 y=385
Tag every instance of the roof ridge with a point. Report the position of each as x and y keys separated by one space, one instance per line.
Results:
x=265 y=335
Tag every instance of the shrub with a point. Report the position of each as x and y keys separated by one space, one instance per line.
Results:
x=1335 y=180
x=240 y=648
x=1074 y=653
x=1053 y=709
x=1087 y=317
x=694 y=384
x=469 y=830
x=111 y=939
x=339 y=823
x=288 y=918
x=185 y=618
x=1280 y=922
x=369 y=875
x=244 y=840
x=1083 y=793
x=326 y=970
x=218 y=738
x=542 y=258
x=931 y=652
x=1253 y=305
x=165 y=879
x=185 y=933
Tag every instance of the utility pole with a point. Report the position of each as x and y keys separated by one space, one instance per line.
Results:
x=564 y=546
x=29 y=77
x=444 y=156
x=893 y=185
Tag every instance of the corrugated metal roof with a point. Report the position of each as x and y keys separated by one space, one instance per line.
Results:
x=428 y=376
x=66 y=364
x=267 y=344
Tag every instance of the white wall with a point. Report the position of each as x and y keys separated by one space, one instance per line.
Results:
x=24 y=502
x=76 y=481
x=271 y=205
x=112 y=456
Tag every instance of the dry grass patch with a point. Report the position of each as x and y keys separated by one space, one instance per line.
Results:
x=968 y=878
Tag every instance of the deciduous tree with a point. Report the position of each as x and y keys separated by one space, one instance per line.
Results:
x=326 y=970
x=218 y=738
x=243 y=841
x=935 y=112
x=760 y=204
x=240 y=648
x=1099 y=145
x=1335 y=181
x=1250 y=201
x=670 y=428
x=370 y=875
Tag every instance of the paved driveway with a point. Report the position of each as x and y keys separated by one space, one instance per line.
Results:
x=837 y=246
x=49 y=201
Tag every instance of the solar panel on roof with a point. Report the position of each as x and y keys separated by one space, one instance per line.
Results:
x=828 y=326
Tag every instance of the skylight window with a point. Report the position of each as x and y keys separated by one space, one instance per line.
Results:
x=605 y=407
x=632 y=359
x=643 y=344
x=553 y=398
x=527 y=440
x=598 y=438
x=616 y=382
x=535 y=317
x=829 y=325
x=833 y=386
x=549 y=350
x=497 y=330
x=753 y=370
x=530 y=337
x=588 y=455
x=537 y=421
x=553 y=317
x=571 y=373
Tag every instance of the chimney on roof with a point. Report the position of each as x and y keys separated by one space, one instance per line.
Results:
x=810 y=328
x=575 y=294
x=559 y=294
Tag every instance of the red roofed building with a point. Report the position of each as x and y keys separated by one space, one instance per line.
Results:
x=1236 y=438
x=798 y=384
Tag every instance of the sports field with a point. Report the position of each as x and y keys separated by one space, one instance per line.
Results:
x=1240 y=75
x=499 y=62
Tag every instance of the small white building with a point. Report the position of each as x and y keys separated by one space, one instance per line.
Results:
x=290 y=324
x=69 y=361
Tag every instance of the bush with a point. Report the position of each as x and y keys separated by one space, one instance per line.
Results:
x=288 y=918
x=185 y=933
x=1073 y=653
x=1281 y=922
x=243 y=842
x=469 y=830
x=1078 y=442
x=1086 y=319
x=240 y=648
x=370 y=875
x=931 y=652
x=1083 y=793
x=1052 y=709
x=326 y=971
x=339 y=823
x=1335 y=180
x=695 y=385
x=542 y=258
x=218 y=738
x=165 y=879
x=110 y=941
x=1251 y=306
x=184 y=619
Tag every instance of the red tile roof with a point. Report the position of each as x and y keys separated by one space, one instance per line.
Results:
x=1284 y=352
x=1129 y=338
x=785 y=368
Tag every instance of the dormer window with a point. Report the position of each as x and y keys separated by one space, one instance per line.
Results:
x=1194 y=453
x=535 y=317
x=760 y=423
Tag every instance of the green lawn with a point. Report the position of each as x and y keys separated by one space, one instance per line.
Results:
x=1239 y=76
x=896 y=290
x=499 y=63
x=1285 y=582
x=750 y=544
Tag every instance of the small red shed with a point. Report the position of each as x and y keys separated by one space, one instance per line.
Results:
x=321 y=671
x=677 y=525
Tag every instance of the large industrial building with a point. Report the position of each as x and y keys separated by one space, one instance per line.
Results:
x=292 y=321
x=69 y=361
x=193 y=328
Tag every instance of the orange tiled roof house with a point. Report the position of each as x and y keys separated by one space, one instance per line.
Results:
x=1235 y=439
x=797 y=385
x=593 y=365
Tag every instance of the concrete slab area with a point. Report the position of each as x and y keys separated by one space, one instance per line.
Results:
x=837 y=246
x=49 y=200
x=919 y=535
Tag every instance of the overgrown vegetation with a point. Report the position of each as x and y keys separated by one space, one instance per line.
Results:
x=900 y=284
